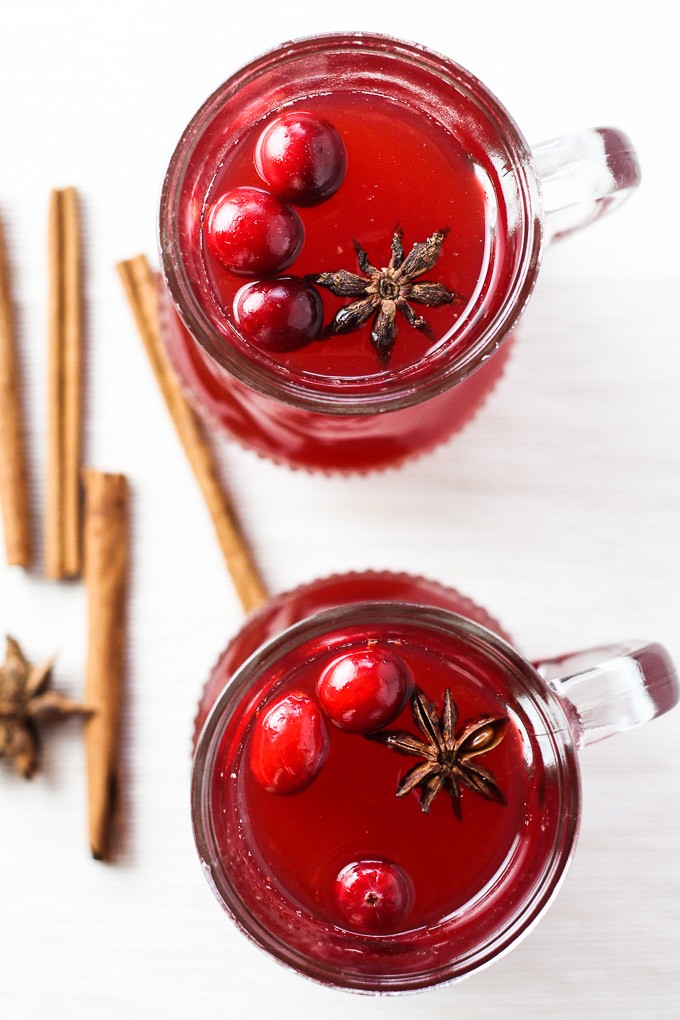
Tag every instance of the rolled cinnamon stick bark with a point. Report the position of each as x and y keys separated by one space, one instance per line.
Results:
x=62 y=524
x=14 y=497
x=73 y=371
x=106 y=570
x=141 y=291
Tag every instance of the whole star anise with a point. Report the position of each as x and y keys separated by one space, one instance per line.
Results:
x=24 y=701
x=447 y=759
x=384 y=292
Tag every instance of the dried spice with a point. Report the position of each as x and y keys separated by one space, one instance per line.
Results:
x=447 y=759
x=15 y=502
x=106 y=547
x=384 y=292
x=26 y=700
x=65 y=377
x=141 y=290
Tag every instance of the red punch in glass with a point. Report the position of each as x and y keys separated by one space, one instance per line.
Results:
x=350 y=228
x=385 y=793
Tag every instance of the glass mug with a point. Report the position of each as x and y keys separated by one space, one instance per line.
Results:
x=346 y=421
x=478 y=878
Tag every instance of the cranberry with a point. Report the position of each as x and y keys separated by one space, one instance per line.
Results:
x=374 y=896
x=289 y=744
x=301 y=157
x=279 y=315
x=364 y=689
x=250 y=231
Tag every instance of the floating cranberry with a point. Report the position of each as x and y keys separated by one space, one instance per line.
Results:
x=279 y=315
x=373 y=896
x=289 y=744
x=301 y=157
x=365 y=689
x=250 y=231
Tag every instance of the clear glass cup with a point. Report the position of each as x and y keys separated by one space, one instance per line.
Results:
x=316 y=423
x=559 y=706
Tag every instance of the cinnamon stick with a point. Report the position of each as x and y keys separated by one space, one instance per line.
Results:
x=106 y=567
x=14 y=497
x=141 y=290
x=62 y=526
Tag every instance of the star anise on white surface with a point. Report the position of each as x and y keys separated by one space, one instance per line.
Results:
x=26 y=700
x=384 y=292
x=447 y=758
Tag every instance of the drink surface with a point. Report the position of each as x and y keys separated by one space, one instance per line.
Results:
x=287 y=866
x=404 y=169
x=343 y=357
x=350 y=811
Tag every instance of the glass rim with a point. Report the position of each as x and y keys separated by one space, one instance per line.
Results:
x=543 y=699
x=392 y=394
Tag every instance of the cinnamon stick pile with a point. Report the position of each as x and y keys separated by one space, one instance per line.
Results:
x=97 y=533
x=104 y=525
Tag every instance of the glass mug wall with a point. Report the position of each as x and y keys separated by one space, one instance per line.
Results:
x=429 y=151
x=384 y=871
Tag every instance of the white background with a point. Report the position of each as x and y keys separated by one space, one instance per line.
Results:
x=558 y=508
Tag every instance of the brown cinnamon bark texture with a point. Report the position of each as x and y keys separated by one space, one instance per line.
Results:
x=141 y=291
x=14 y=494
x=106 y=576
x=62 y=524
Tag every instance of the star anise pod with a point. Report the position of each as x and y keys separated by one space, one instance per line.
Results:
x=25 y=700
x=447 y=758
x=384 y=292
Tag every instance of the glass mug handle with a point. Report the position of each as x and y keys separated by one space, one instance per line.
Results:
x=611 y=689
x=583 y=176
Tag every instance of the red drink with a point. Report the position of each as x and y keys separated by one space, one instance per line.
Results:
x=393 y=137
x=350 y=811
x=277 y=859
x=426 y=152
x=401 y=169
x=382 y=871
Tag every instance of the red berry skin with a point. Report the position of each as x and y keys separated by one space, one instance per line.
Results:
x=278 y=315
x=373 y=896
x=252 y=232
x=364 y=689
x=289 y=744
x=301 y=157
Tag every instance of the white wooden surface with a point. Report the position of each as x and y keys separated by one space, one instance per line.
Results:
x=558 y=509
